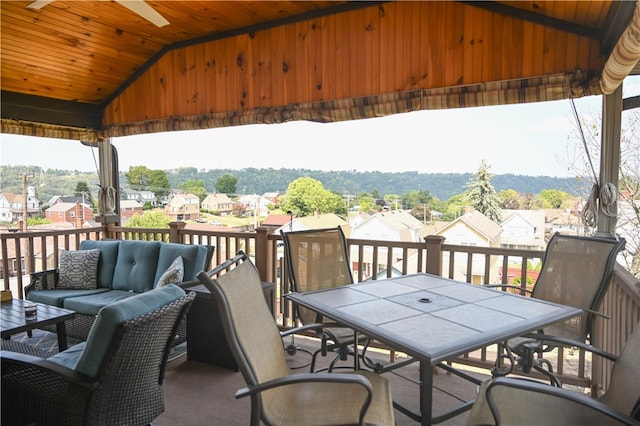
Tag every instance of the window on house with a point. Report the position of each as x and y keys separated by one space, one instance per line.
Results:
x=73 y=214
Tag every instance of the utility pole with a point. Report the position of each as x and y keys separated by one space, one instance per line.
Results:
x=25 y=213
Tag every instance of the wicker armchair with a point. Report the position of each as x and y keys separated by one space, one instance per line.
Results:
x=114 y=378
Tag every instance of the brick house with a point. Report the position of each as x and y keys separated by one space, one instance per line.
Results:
x=74 y=213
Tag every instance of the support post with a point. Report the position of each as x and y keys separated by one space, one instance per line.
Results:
x=434 y=254
x=609 y=163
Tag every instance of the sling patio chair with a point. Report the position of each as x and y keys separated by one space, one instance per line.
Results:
x=575 y=271
x=318 y=259
x=522 y=401
x=113 y=378
x=279 y=396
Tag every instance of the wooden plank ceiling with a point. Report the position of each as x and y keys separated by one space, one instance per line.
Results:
x=95 y=64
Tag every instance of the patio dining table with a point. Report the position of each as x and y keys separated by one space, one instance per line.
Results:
x=432 y=319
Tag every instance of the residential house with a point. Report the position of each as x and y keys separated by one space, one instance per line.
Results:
x=472 y=229
x=12 y=206
x=393 y=225
x=315 y=221
x=183 y=207
x=523 y=229
x=274 y=197
x=130 y=208
x=142 y=197
x=255 y=204
x=75 y=213
x=277 y=220
x=5 y=208
x=217 y=203
x=65 y=199
x=567 y=221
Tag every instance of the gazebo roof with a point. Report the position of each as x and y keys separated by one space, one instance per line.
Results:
x=94 y=69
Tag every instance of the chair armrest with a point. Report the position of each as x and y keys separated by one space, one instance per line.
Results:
x=525 y=398
x=506 y=286
x=43 y=280
x=569 y=342
x=188 y=284
x=13 y=362
x=356 y=379
x=314 y=326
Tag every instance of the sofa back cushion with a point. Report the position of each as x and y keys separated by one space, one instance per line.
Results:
x=193 y=258
x=107 y=260
x=136 y=265
x=112 y=315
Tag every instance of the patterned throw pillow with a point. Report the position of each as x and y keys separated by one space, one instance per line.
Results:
x=174 y=273
x=79 y=269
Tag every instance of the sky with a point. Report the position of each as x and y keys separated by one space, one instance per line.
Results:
x=536 y=139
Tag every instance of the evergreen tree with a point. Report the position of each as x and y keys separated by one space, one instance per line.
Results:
x=482 y=195
x=82 y=189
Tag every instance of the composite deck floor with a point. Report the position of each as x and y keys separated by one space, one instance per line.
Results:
x=197 y=393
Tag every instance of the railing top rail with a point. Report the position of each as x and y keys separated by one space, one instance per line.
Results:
x=49 y=232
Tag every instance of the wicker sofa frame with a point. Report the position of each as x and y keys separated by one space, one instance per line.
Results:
x=126 y=391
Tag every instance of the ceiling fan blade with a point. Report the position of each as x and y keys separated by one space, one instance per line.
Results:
x=38 y=4
x=144 y=10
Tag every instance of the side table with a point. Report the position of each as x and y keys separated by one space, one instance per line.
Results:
x=13 y=320
x=206 y=341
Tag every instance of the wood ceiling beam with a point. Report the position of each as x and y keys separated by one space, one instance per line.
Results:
x=21 y=107
x=536 y=18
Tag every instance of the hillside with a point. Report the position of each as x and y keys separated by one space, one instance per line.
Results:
x=258 y=181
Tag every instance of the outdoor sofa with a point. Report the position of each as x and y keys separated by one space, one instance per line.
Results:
x=102 y=272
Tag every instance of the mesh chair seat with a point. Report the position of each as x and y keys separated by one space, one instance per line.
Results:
x=522 y=401
x=279 y=396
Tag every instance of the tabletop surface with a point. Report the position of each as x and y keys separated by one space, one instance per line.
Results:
x=12 y=318
x=431 y=317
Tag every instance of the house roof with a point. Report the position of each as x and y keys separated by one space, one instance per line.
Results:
x=63 y=207
x=97 y=69
x=128 y=204
x=276 y=220
x=478 y=222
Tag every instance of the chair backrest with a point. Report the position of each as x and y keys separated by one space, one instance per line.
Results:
x=576 y=271
x=316 y=259
x=623 y=392
x=251 y=332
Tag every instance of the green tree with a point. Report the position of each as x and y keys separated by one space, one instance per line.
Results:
x=394 y=201
x=482 y=195
x=143 y=178
x=149 y=219
x=415 y=199
x=227 y=184
x=195 y=187
x=305 y=195
x=553 y=198
x=509 y=199
x=82 y=189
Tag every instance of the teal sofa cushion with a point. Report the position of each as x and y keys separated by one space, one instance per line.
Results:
x=92 y=303
x=136 y=266
x=193 y=258
x=107 y=260
x=112 y=315
x=58 y=296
